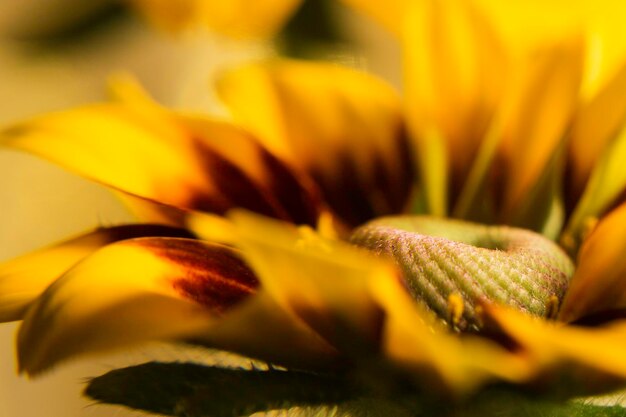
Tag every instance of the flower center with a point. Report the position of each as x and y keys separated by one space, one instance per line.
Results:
x=451 y=266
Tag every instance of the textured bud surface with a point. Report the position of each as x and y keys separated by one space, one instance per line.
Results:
x=443 y=259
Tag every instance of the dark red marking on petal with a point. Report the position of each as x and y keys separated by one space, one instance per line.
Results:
x=572 y=191
x=235 y=188
x=215 y=276
x=492 y=330
x=301 y=202
x=600 y=318
x=400 y=186
x=130 y=231
x=344 y=193
x=393 y=182
x=385 y=190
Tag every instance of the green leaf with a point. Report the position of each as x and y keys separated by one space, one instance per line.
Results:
x=192 y=390
x=508 y=403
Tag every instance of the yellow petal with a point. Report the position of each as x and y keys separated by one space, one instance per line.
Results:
x=341 y=126
x=23 y=279
x=416 y=342
x=454 y=70
x=603 y=191
x=240 y=18
x=290 y=192
x=182 y=161
x=575 y=360
x=130 y=292
x=265 y=185
x=524 y=24
x=262 y=329
x=529 y=23
x=323 y=282
x=389 y=13
x=207 y=226
x=536 y=114
x=596 y=125
x=598 y=284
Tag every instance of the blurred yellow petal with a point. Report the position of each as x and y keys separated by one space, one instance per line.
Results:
x=290 y=192
x=106 y=143
x=596 y=125
x=239 y=18
x=341 y=126
x=415 y=341
x=130 y=292
x=183 y=161
x=262 y=329
x=288 y=195
x=24 y=278
x=389 y=13
x=528 y=23
x=604 y=189
x=599 y=282
x=525 y=24
x=454 y=69
x=535 y=116
x=321 y=281
x=516 y=174
x=566 y=358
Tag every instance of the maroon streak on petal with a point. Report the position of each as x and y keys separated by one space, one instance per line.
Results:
x=214 y=277
x=23 y=279
x=234 y=186
x=344 y=193
x=600 y=318
x=342 y=127
x=115 y=233
x=358 y=194
x=282 y=194
x=403 y=175
x=301 y=201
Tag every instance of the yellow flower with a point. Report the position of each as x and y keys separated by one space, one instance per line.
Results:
x=492 y=131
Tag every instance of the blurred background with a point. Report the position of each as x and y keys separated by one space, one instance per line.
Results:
x=56 y=54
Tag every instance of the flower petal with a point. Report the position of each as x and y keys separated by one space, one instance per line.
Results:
x=341 y=126
x=572 y=360
x=23 y=279
x=262 y=329
x=323 y=282
x=454 y=75
x=598 y=284
x=182 y=161
x=263 y=176
x=600 y=118
x=239 y=18
x=535 y=116
x=129 y=292
x=605 y=189
x=415 y=341
x=524 y=24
